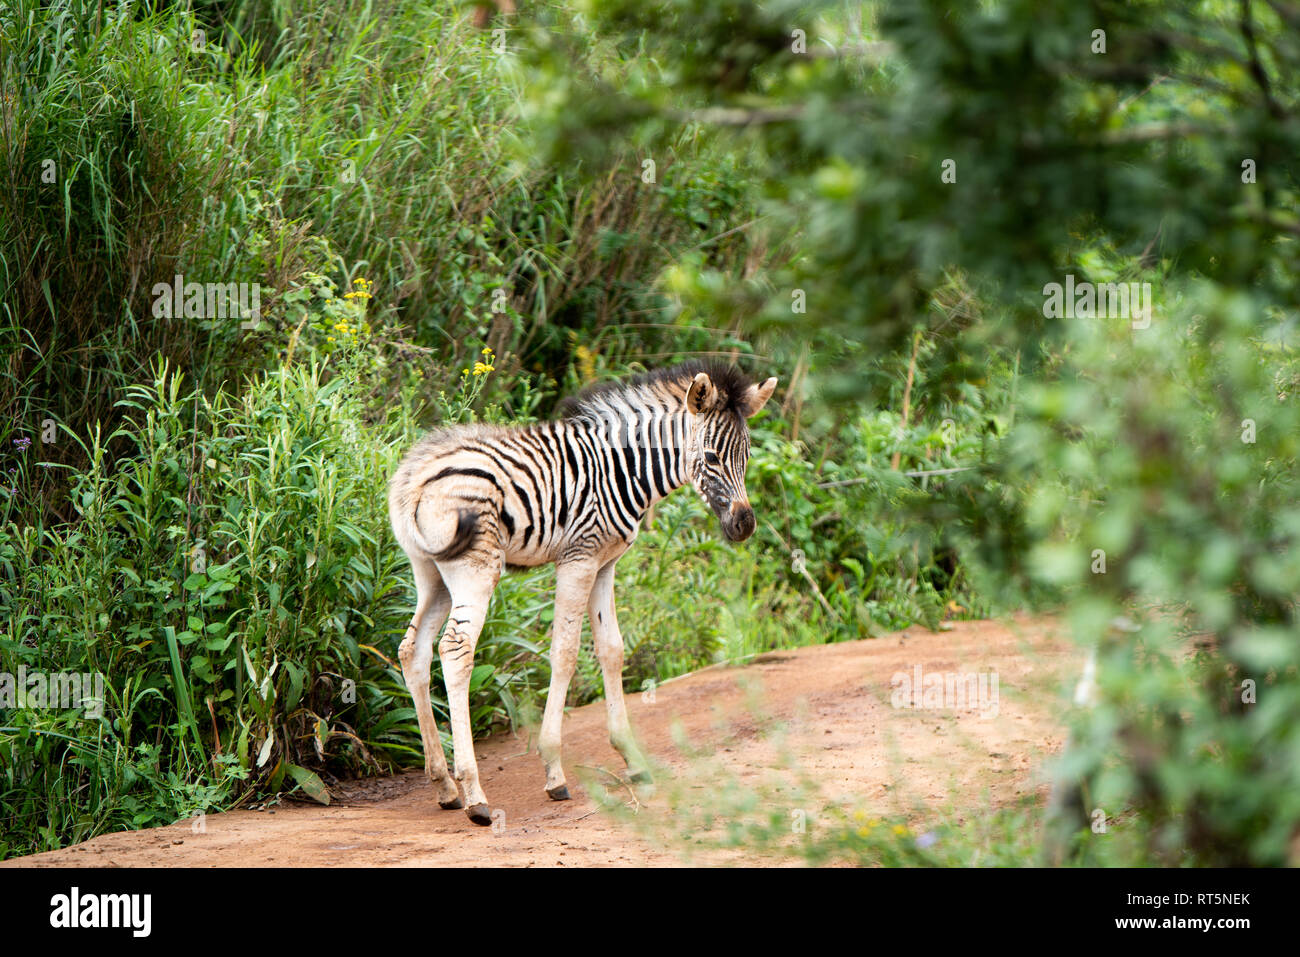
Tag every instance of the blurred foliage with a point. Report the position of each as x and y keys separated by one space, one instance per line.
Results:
x=1148 y=471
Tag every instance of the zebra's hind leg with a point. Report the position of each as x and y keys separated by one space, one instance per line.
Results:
x=471 y=581
x=416 y=654
x=609 y=650
x=573 y=582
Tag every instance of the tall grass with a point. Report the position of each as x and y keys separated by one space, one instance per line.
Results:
x=235 y=583
x=240 y=142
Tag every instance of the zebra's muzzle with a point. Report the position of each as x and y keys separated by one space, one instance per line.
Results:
x=738 y=522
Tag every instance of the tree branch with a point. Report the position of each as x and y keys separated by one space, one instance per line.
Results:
x=1256 y=67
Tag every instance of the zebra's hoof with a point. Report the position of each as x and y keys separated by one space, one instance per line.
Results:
x=480 y=814
x=455 y=804
x=560 y=793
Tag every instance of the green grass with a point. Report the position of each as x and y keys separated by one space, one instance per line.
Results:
x=194 y=508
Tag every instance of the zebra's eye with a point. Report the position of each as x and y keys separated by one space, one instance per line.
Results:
x=711 y=458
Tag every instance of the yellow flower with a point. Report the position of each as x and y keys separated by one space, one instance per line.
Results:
x=900 y=830
x=482 y=368
x=487 y=351
x=586 y=360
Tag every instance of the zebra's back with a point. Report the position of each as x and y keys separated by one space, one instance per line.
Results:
x=508 y=491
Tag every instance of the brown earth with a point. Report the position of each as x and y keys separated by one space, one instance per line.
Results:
x=831 y=704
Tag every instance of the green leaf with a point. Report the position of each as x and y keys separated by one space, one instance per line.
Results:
x=310 y=782
x=479 y=676
x=296 y=675
x=277 y=776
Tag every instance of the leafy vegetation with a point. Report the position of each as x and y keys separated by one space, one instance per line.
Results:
x=985 y=154
x=447 y=224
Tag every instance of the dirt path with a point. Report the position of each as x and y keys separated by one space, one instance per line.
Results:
x=832 y=700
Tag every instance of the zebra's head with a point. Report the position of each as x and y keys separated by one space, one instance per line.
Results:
x=719 y=449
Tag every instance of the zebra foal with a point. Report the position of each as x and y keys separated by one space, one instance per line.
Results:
x=468 y=501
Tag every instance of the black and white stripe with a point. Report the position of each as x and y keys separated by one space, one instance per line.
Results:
x=567 y=488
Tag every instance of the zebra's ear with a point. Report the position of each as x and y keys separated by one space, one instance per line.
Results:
x=701 y=395
x=756 y=396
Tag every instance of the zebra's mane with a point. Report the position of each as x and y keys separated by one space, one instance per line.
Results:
x=653 y=386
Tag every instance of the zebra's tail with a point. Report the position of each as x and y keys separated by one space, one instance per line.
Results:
x=424 y=525
x=466 y=529
x=437 y=537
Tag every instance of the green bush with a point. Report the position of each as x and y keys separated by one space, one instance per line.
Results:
x=236 y=583
x=944 y=164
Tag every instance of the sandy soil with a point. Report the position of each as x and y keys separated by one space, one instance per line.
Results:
x=832 y=703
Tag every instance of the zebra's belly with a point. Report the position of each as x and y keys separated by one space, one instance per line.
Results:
x=561 y=547
x=517 y=557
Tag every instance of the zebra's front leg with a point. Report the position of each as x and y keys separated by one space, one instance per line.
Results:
x=609 y=650
x=573 y=582
x=471 y=587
